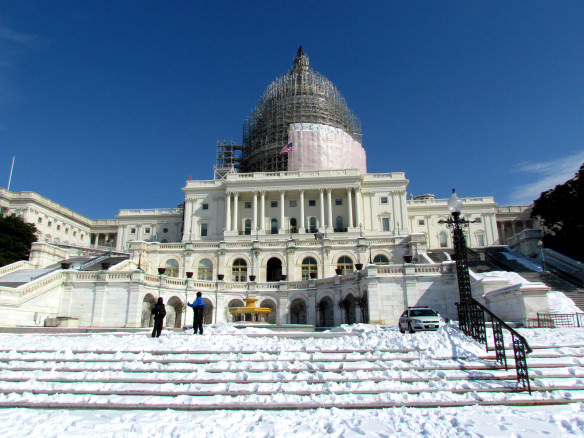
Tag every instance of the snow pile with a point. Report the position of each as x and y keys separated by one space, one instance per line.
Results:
x=513 y=278
x=558 y=302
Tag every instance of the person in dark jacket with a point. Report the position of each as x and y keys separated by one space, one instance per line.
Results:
x=198 y=309
x=159 y=312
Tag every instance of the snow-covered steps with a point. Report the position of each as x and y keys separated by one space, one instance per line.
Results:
x=371 y=369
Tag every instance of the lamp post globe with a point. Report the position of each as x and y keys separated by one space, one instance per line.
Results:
x=455 y=204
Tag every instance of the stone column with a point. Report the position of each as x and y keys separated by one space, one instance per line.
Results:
x=322 y=223
x=235 y=210
x=301 y=229
x=350 y=207
x=395 y=214
x=255 y=213
x=282 y=229
x=227 y=211
x=263 y=212
x=188 y=220
x=330 y=209
x=358 y=207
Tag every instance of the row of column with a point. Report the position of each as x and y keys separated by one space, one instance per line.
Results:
x=232 y=220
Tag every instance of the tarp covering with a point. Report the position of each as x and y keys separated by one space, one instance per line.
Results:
x=316 y=146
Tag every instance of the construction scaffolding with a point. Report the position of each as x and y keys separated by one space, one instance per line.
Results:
x=229 y=157
x=300 y=96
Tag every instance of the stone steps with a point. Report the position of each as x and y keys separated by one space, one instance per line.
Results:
x=289 y=379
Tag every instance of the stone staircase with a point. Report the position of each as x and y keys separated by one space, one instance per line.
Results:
x=280 y=378
x=549 y=278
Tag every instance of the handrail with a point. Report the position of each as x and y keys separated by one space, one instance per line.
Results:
x=471 y=316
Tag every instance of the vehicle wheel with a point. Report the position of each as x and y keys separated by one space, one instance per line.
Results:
x=401 y=330
x=410 y=329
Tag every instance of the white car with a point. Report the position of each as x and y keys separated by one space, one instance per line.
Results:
x=419 y=318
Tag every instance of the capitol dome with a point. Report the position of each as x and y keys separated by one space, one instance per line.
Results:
x=302 y=97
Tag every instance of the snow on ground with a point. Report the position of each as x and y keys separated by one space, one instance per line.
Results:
x=560 y=303
x=477 y=421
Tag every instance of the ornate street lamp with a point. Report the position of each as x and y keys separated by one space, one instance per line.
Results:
x=471 y=313
x=468 y=320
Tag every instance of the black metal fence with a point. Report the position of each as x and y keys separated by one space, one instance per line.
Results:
x=471 y=318
x=553 y=320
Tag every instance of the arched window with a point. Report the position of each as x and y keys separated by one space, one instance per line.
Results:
x=339 y=226
x=274 y=224
x=205 y=270
x=345 y=264
x=480 y=239
x=443 y=239
x=312 y=224
x=247 y=227
x=293 y=225
x=171 y=268
x=239 y=270
x=309 y=268
x=380 y=259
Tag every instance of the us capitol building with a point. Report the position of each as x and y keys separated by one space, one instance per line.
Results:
x=292 y=217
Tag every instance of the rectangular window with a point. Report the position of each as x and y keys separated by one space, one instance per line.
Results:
x=478 y=220
x=165 y=230
x=311 y=202
x=293 y=203
x=132 y=230
x=205 y=206
x=58 y=227
x=383 y=199
x=421 y=222
x=273 y=204
x=385 y=223
x=247 y=204
x=338 y=202
x=203 y=230
x=147 y=230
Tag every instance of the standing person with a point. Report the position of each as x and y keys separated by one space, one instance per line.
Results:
x=159 y=312
x=198 y=309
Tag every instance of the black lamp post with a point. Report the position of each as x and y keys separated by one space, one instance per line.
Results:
x=457 y=224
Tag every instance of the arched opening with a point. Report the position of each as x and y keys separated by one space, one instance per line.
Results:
x=274 y=269
x=349 y=309
x=235 y=303
x=147 y=305
x=239 y=270
x=205 y=270
x=174 y=313
x=271 y=318
x=364 y=305
x=443 y=239
x=345 y=264
x=380 y=259
x=309 y=268
x=171 y=268
x=208 y=313
x=326 y=313
x=298 y=311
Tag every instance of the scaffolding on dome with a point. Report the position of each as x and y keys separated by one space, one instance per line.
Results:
x=229 y=156
x=300 y=96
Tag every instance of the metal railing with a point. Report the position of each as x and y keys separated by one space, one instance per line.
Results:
x=472 y=321
x=552 y=320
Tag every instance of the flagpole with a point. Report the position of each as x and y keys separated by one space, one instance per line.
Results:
x=11 y=168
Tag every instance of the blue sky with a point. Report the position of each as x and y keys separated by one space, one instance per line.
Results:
x=113 y=104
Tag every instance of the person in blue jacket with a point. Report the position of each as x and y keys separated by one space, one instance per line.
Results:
x=198 y=308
